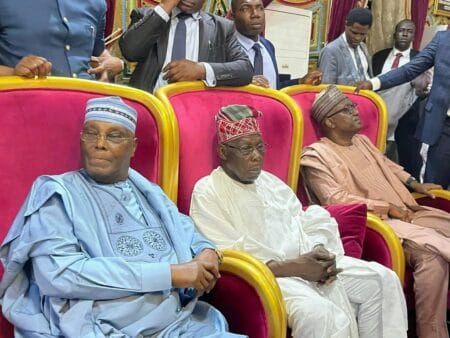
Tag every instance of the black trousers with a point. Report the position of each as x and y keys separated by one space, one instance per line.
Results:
x=408 y=147
x=438 y=159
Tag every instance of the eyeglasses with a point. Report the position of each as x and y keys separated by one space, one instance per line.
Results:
x=347 y=110
x=113 y=138
x=247 y=150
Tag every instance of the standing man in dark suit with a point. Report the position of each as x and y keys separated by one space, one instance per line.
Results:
x=434 y=125
x=346 y=60
x=176 y=41
x=249 y=20
x=405 y=150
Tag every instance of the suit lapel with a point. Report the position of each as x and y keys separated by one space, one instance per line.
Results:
x=347 y=57
x=206 y=37
x=368 y=58
x=271 y=52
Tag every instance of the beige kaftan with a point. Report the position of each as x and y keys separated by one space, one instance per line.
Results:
x=361 y=173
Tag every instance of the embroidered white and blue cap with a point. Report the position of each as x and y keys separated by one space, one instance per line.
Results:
x=111 y=109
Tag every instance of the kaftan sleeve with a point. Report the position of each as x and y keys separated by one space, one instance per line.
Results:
x=321 y=228
x=397 y=170
x=211 y=215
x=63 y=269
x=319 y=178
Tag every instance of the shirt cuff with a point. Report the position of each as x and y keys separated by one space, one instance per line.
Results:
x=376 y=83
x=403 y=176
x=201 y=248
x=162 y=13
x=156 y=277
x=210 y=80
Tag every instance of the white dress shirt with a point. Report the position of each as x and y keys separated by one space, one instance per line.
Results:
x=192 y=43
x=268 y=67
x=362 y=56
x=391 y=57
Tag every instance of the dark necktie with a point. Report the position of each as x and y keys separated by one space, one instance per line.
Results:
x=258 y=62
x=396 y=60
x=361 y=72
x=179 y=40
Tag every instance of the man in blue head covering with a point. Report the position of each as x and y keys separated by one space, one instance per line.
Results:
x=102 y=252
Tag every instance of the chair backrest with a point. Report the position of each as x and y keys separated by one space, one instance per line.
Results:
x=40 y=132
x=371 y=107
x=195 y=107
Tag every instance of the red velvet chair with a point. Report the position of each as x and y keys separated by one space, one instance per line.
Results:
x=373 y=114
x=381 y=243
x=195 y=107
x=41 y=122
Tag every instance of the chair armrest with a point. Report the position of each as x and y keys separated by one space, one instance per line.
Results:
x=249 y=297
x=380 y=233
x=442 y=200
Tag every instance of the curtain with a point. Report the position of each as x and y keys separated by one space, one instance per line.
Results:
x=419 y=10
x=338 y=13
x=386 y=14
x=110 y=4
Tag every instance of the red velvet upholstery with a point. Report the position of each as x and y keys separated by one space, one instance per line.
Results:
x=367 y=109
x=351 y=219
x=231 y=306
x=40 y=135
x=438 y=203
x=372 y=125
x=195 y=112
x=374 y=247
x=195 y=109
x=40 y=131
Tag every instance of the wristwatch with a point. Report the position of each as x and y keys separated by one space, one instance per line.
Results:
x=409 y=181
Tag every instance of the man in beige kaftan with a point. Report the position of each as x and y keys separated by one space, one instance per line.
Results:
x=345 y=167
x=240 y=206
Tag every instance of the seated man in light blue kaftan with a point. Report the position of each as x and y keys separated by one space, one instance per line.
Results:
x=102 y=252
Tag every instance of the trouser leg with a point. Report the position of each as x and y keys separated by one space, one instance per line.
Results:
x=367 y=294
x=430 y=290
x=438 y=159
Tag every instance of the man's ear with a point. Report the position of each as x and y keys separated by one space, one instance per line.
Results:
x=135 y=144
x=328 y=122
x=222 y=152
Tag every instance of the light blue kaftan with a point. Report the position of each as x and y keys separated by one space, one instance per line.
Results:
x=79 y=264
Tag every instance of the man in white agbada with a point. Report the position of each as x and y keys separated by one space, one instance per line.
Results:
x=327 y=294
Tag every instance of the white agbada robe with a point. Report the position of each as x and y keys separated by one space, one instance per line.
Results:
x=266 y=219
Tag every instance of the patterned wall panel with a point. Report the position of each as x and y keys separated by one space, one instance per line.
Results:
x=435 y=20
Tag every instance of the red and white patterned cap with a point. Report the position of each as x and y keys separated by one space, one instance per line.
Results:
x=235 y=121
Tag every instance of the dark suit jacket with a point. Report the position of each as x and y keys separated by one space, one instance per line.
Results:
x=145 y=42
x=380 y=57
x=271 y=49
x=437 y=54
